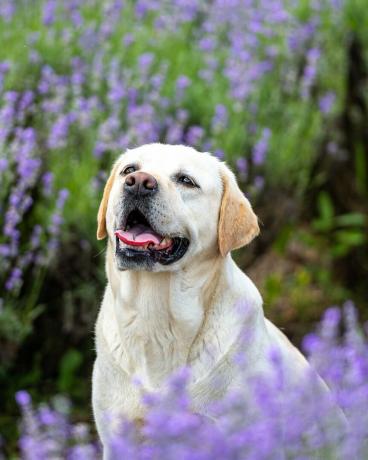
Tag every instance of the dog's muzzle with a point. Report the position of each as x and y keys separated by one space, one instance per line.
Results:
x=138 y=243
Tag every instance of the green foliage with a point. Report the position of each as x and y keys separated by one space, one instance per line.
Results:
x=344 y=232
x=69 y=365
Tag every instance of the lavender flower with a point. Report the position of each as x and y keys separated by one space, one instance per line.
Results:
x=49 y=10
x=7 y=10
x=310 y=71
x=220 y=118
x=59 y=131
x=261 y=147
x=3 y=164
x=326 y=102
x=194 y=135
x=47 y=182
x=23 y=398
x=267 y=418
x=242 y=165
x=15 y=279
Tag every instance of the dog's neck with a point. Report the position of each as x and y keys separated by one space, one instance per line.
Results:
x=159 y=316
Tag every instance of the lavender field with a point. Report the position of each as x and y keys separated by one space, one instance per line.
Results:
x=278 y=89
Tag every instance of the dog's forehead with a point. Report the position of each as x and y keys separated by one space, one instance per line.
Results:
x=172 y=159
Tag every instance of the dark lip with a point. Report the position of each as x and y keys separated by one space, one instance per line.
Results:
x=129 y=256
x=152 y=256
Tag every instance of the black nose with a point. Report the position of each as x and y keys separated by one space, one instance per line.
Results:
x=140 y=184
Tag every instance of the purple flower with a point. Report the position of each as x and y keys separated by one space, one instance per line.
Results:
x=14 y=279
x=28 y=168
x=128 y=40
x=266 y=418
x=36 y=236
x=259 y=182
x=194 y=135
x=23 y=398
x=219 y=154
x=62 y=197
x=3 y=164
x=310 y=71
x=47 y=182
x=174 y=133
x=326 y=102
x=60 y=130
x=5 y=250
x=48 y=14
x=220 y=118
x=261 y=147
x=7 y=10
x=242 y=165
x=207 y=43
x=182 y=82
x=4 y=67
x=144 y=62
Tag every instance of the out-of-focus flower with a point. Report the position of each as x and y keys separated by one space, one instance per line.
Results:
x=14 y=279
x=194 y=135
x=242 y=165
x=261 y=147
x=326 y=102
x=220 y=118
x=49 y=10
x=23 y=398
x=266 y=418
x=3 y=164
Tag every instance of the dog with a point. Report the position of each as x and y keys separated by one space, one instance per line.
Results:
x=172 y=216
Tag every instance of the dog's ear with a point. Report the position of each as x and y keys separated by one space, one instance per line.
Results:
x=238 y=224
x=101 y=215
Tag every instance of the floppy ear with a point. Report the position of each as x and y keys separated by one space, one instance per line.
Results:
x=101 y=215
x=238 y=224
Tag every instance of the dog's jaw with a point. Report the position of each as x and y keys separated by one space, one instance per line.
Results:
x=141 y=242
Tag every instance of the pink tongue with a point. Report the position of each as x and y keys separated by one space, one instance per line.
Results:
x=139 y=235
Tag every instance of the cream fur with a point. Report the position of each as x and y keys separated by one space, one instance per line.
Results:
x=151 y=323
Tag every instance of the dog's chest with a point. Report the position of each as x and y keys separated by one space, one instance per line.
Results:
x=155 y=336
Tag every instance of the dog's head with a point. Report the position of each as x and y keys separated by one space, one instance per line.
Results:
x=164 y=204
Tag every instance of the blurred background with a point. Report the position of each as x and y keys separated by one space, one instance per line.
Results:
x=276 y=88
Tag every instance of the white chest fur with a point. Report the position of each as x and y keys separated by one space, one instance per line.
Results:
x=155 y=323
x=149 y=329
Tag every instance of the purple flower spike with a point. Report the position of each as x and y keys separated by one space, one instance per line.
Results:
x=326 y=102
x=261 y=147
x=23 y=398
x=242 y=165
x=3 y=164
x=194 y=135
x=182 y=82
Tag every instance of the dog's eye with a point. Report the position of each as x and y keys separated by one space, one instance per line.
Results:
x=128 y=170
x=186 y=180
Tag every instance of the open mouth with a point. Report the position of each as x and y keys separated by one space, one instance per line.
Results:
x=139 y=242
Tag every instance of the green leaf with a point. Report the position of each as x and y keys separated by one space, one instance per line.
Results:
x=326 y=220
x=325 y=207
x=70 y=362
x=351 y=220
x=351 y=237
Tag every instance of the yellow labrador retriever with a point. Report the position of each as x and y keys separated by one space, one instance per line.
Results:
x=172 y=216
